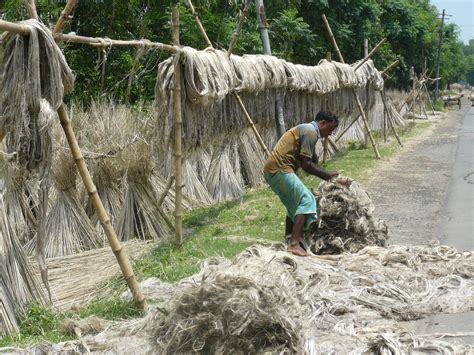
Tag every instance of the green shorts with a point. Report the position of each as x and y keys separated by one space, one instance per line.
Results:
x=294 y=195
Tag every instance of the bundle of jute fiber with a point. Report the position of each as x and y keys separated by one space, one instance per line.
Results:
x=35 y=77
x=17 y=203
x=159 y=185
x=252 y=160
x=223 y=182
x=19 y=285
x=140 y=217
x=68 y=228
x=345 y=221
x=267 y=300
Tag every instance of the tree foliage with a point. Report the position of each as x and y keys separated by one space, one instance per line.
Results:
x=297 y=34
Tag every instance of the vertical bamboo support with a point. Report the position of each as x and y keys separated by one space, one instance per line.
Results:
x=178 y=125
x=31 y=9
x=359 y=105
x=104 y=219
x=65 y=16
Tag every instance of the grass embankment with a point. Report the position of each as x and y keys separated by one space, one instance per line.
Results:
x=221 y=230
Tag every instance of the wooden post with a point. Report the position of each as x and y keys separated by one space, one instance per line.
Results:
x=96 y=202
x=354 y=92
x=178 y=125
x=65 y=16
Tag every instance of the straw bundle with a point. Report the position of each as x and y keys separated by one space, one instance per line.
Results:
x=35 y=77
x=140 y=216
x=68 y=228
x=19 y=285
x=159 y=185
x=345 y=221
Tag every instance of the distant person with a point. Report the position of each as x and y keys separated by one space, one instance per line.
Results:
x=295 y=149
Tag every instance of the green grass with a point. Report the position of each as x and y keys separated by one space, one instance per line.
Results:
x=220 y=230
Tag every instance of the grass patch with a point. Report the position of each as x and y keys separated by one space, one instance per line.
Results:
x=223 y=230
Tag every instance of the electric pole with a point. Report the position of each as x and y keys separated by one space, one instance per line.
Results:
x=439 y=57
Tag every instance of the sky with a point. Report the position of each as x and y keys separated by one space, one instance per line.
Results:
x=462 y=12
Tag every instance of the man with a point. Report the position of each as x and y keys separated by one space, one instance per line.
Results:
x=295 y=149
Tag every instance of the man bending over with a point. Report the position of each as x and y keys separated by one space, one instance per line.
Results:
x=295 y=149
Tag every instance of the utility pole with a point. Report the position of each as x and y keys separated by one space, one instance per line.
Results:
x=263 y=29
x=439 y=57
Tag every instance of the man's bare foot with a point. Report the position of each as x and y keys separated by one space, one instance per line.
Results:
x=296 y=250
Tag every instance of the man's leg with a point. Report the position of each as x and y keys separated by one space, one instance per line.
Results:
x=288 y=226
x=294 y=246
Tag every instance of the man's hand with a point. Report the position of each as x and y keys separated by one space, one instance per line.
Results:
x=344 y=181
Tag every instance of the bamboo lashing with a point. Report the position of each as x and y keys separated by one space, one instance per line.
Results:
x=370 y=54
x=178 y=155
x=96 y=202
x=65 y=16
x=236 y=95
x=356 y=97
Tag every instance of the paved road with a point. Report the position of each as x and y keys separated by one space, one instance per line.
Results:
x=456 y=225
x=426 y=193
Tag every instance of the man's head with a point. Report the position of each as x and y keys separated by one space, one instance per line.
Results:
x=327 y=123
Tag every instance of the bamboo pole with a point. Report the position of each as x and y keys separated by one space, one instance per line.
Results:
x=198 y=21
x=65 y=16
x=356 y=97
x=31 y=9
x=370 y=54
x=238 y=29
x=165 y=191
x=99 y=42
x=96 y=202
x=252 y=125
x=389 y=118
x=14 y=27
x=178 y=124
x=347 y=128
x=390 y=67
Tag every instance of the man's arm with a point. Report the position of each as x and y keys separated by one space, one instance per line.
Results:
x=314 y=169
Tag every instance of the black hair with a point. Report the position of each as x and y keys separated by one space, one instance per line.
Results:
x=327 y=116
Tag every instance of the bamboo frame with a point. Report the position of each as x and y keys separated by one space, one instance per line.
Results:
x=389 y=118
x=356 y=97
x=165 y=191
x=14 y=27
x=390 y=66
x=178 y=120
x=96 y=202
